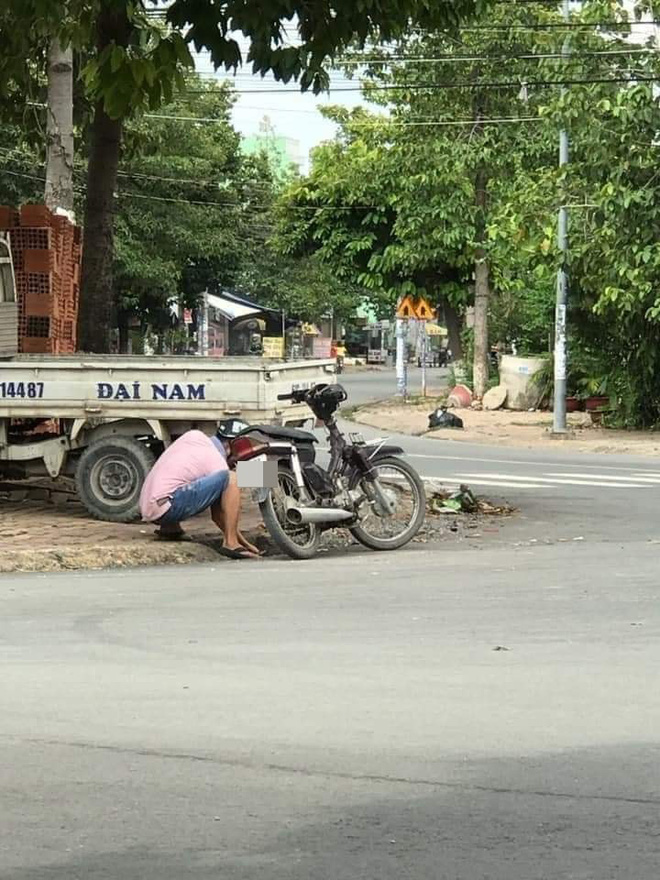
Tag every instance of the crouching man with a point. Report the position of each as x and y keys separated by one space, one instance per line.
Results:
x=189 y=477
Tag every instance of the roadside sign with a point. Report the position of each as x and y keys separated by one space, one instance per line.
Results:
x=273 y=346
x=406 y=308
x=417 y=309
x=423 y=311
x=322 y=347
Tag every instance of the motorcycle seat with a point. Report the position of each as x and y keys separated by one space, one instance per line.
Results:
x=295 y=435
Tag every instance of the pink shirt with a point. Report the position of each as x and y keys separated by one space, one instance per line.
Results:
x=192 y=456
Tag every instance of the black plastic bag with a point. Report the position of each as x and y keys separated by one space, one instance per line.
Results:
x=440 y=418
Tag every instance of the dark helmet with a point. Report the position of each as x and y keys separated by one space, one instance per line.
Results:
x=333 y=394
x=325 y=399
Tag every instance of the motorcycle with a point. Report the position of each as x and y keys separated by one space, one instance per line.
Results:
x=366 y=488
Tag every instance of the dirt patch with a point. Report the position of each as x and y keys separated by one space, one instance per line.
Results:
x=44 y=527
x=508 y=428
x=103 y=557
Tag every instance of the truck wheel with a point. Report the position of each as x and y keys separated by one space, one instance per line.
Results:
x=110 y=475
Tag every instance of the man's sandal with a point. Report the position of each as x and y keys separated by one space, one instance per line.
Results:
x=238 y=553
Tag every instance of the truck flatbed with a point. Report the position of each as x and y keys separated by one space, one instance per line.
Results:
x=111 y=415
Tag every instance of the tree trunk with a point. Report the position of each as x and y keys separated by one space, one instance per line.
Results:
x=59 y=133
x=453 y=321
x=96 y=289
x=481 y=291
x=124 y=334
x=96 y=292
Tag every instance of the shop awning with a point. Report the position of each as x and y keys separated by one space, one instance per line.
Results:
x=434 y=330
x=230 y=309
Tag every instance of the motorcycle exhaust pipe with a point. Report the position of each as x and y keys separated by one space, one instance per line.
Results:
x=299 y=515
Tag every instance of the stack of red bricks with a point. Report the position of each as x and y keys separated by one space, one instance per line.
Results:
x=46 y=250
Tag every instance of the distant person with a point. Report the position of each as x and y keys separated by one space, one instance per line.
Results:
x=190 y=477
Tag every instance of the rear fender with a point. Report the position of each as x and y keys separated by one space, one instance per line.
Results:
x=385 y=452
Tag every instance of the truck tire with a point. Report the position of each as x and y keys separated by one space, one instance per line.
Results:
x=110 y=476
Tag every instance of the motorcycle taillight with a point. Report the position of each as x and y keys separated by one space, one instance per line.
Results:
x=244 y=447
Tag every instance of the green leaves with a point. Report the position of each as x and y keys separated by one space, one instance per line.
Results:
x=185 y=205
x=325 y=28
x=138 y=63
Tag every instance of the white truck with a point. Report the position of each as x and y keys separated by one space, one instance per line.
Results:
x=104 y=419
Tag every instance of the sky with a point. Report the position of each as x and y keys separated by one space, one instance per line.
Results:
x=297 y=115
x=292 y=113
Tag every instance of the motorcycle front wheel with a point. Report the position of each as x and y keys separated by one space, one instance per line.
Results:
x=297 y=541
x=405 y=487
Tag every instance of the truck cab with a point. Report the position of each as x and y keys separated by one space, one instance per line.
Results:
x=8 y=303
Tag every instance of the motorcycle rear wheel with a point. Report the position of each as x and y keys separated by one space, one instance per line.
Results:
x=298 y=542
x=408 y=479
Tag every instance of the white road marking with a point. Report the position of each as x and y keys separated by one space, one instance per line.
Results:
x=509 y=461
x=630 y=471
x=491 y=481
x=637 y=478
x=455 y=483
x=583 y=481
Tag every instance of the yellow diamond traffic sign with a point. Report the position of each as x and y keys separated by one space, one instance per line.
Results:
x=406 y=308
x=417 y=309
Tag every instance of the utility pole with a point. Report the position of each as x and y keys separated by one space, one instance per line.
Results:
x=203 y=326
x=401 y=367
x=559 y=419
x=424 y=347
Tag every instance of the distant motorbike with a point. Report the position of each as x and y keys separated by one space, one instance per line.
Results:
x=366 y=488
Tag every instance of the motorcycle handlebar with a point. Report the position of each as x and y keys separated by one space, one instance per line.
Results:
x=299 y=396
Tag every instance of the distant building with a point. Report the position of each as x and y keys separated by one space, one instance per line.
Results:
x=284 y=154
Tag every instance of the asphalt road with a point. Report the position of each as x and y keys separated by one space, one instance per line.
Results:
x=427 y=714
x=560 y=495
x=482 y=708
x=364 y=386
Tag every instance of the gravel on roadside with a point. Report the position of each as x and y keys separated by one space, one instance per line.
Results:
x=44 y=527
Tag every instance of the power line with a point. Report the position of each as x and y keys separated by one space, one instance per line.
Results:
x=27 y=176
x=454 y=85
x=401 y=58
x=192 y=181
x=384 y=120
x=15 y=154
x=244 y=235
x=476 y=27
x=129 y=194
x=450 y=59
x=247 y=205
x=457 y=122
x=275 y=88
x=238 y=80
x=186 y=118
x=558 y=25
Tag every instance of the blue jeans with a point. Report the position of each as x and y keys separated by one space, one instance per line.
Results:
x=188 y=501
